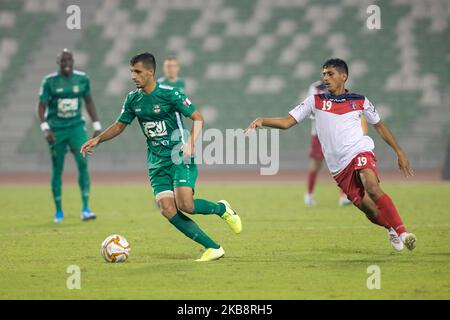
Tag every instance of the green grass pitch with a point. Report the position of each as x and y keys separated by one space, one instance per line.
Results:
x=285 y=251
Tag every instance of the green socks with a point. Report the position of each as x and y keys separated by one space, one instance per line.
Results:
x=56 y=183
x=83 y=179
x=56 y=191
x=58 y=204
x=207 y=207
x=191 y=230
x=85 y=200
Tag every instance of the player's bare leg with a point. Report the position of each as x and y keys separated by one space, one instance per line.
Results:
x=167 y=205
x=387 y=211
x=314 y=167
x=371 y=211
x=184 y=198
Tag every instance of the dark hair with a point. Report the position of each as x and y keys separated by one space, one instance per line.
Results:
x=147 y=59
x=171 y=58
x=337 y=63
x=65 y=51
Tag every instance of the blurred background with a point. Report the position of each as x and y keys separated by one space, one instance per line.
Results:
x=240 y=59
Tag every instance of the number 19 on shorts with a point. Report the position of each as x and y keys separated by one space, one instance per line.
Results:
x=361 y=161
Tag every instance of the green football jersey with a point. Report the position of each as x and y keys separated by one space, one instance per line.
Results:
x=158 y=113
x=64 y=98
x=179 y=83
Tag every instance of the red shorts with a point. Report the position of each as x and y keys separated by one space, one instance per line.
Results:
x=315 y=151
x=349 y=180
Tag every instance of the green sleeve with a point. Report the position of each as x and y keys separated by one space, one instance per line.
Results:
x=127 y=115
x=181 y=103
x=44 y=91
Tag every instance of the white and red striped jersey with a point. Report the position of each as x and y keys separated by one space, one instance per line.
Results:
x=338 y=125
x=316 y=88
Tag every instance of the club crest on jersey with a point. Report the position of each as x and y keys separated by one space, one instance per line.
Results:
x=156 y=108
x=76 y=89
x=353 y=105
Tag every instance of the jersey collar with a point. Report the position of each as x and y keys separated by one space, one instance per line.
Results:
x=150 y=93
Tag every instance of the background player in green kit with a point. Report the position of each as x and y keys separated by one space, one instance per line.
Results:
x=60 y=113
x=171 y=71
x=157 y=108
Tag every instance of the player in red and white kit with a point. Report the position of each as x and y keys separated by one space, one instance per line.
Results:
x=347 y=151
x=316 y=154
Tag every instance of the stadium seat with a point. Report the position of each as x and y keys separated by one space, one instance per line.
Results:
x=247 y=58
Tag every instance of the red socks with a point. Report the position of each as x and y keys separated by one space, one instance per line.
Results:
x=388 y=215
x=378 y=221
x=312 y=176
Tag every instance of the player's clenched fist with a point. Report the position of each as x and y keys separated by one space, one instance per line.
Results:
x=89 y=146
x=257 y=123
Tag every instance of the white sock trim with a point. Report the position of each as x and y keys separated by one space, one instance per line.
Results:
x=165 y=194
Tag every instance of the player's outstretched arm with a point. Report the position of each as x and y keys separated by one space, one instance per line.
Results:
x=278 y=123
x=189 y=148
x=403 y=162
x=113 y=131
x=92 y=111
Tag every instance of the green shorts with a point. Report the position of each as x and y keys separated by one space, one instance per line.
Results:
x=169 y=177
x=71 y=138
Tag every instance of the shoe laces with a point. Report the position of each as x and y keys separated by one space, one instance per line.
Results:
x=394 y=238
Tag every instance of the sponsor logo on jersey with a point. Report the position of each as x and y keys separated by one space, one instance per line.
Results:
x=59 y=89
x=162 y=142
x=76 y=89
x=138 y=110
x=153 y=129
x=337 y=100
x=67 y=108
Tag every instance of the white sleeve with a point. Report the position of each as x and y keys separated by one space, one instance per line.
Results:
x=370 y=112
x=312 y=90
x=303 y=110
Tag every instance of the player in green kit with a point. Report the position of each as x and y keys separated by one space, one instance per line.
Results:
x=171 y=70
x=60 y=114
x=171 y=77
x=171 y=166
